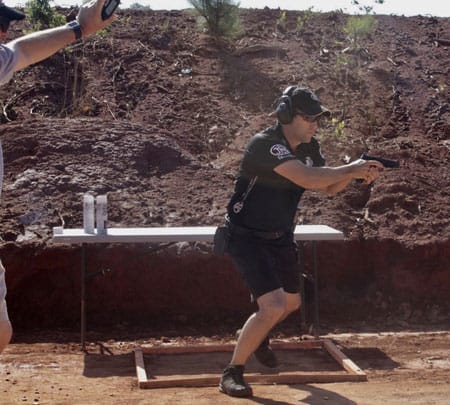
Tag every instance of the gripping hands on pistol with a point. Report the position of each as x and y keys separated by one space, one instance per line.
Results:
x=388 y=163
x=366 y=170
x=371 y=167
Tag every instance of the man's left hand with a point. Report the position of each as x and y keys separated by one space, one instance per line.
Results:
x=373 y=173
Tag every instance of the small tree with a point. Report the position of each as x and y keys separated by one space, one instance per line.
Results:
x=359 y=27
x=138 y=6
x=281 y=22
x=366 y=7
x=42 y=16
x=221 y=16
x=303 y=19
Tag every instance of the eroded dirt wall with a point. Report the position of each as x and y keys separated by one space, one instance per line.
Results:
x=135 y=284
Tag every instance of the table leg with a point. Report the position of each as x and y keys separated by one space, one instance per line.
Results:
x=301 y=263
x=316 y=291
x=83 y=296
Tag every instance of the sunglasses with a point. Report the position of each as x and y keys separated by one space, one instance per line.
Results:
x=310 y=118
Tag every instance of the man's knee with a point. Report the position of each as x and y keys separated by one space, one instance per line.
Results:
x=293 y=302
x=271 y=314
x=272 y=306
x=292 y=306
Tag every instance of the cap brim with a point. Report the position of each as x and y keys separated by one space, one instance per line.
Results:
x=11 y=13
x=325 y=113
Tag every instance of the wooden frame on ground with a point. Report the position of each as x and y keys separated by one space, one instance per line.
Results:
x=353 y=372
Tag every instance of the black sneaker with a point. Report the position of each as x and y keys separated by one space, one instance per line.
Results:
x=264 y=353
x=232 y=382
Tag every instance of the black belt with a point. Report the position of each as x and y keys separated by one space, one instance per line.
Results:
x=241 y=230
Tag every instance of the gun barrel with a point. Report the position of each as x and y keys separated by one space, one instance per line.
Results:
x=385 y=162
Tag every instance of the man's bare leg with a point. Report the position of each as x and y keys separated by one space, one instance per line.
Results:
x=5 y=334
x=263 y=352
x=271 y=308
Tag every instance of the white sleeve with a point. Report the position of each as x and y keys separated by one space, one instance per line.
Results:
x=8 y=62
x=1 y=170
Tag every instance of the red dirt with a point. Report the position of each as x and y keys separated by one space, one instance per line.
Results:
x=115 y=114
x=402 y=368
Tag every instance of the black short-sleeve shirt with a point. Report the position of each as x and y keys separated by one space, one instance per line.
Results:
x=262 y=199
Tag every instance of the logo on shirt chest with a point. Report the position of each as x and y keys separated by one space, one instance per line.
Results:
x=280 y=151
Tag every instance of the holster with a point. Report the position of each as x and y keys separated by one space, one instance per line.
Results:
x=221 y=239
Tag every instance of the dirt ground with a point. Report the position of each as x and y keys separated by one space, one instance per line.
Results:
x=156 y=114
x=402 y=368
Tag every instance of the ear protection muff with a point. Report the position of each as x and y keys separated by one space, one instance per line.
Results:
x=284 y=107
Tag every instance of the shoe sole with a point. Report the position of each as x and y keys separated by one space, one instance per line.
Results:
x=238 y=394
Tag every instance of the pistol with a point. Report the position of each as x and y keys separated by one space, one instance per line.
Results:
x=109 y=8
x=388 y=163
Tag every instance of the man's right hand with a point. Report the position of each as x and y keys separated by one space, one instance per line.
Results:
x=366 y=170
x=90 y=17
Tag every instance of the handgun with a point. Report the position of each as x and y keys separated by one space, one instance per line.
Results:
x=388 y=163
x=108 y=8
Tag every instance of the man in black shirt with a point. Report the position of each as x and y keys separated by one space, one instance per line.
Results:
x=279 y=164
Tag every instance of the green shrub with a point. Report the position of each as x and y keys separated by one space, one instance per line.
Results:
x=359 y=27
x=138 y=6
x=304 y=18
x=41 y=15
x=339 y=128
x=281 y=22
x=221 y=16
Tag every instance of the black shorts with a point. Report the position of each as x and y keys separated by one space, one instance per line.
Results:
x=266 y=264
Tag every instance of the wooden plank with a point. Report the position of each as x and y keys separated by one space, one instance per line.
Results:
x=265 y=379
x=342 y=359
x=198 y=348
x=304 y=344
x=302 y=378
x=182 y=381
x=140 y=366
x=229 y=347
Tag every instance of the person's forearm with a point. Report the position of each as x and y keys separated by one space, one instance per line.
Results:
x=335 y=188
x=314 y=177
x=326 y=177
x=39 y=45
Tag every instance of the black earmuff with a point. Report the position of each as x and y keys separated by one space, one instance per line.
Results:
x=284 y=107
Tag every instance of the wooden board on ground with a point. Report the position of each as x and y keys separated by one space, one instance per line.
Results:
x=308 y=361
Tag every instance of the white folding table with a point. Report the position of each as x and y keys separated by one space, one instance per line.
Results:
x=311 y=233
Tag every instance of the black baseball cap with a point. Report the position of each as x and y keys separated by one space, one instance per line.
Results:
x=8 y=14
x=11 y=13
x=305 y=101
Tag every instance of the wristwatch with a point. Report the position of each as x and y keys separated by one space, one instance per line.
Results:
x=76 y=28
